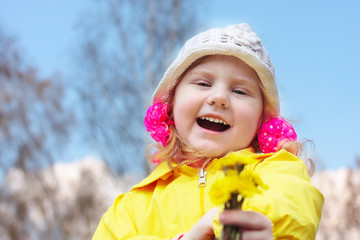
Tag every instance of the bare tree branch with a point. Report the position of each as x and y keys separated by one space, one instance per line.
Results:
x=33 y=120
x=127 y=46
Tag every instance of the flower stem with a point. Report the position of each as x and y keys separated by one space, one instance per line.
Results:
x=231 y=232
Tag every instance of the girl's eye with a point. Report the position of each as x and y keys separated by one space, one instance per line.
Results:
x=204 y=84
x=241 y=92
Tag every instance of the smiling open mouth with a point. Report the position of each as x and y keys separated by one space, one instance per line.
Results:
x=212 y=124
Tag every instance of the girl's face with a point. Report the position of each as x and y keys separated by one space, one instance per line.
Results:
x=218 y=105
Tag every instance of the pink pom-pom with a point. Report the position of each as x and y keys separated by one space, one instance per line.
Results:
x=157 y=122
x=274 y=131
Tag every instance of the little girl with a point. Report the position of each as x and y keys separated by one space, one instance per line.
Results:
x=217 y=97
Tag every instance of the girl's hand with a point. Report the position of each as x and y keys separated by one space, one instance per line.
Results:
x=203 y=229
x=254 y=225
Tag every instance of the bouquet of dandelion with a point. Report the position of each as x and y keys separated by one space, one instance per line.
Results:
x=238 y=184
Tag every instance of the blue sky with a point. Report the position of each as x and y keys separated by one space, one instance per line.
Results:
x=314 y=46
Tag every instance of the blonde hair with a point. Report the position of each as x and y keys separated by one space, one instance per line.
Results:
x=177 y=152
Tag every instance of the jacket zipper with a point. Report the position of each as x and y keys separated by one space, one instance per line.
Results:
x=202 y=179
x=202 y=184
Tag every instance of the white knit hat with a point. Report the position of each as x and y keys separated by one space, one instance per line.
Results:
x=234 y=40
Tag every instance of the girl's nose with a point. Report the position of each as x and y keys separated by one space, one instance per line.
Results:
x=219 y=98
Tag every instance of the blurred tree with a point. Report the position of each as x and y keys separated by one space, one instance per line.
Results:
x=34 y=126
x=126 y=46
x=33 y=121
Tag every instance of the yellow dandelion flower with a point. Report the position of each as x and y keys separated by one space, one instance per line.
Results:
x=239 y=182
x=220 y=191
x=246 y=187
x=254 y=178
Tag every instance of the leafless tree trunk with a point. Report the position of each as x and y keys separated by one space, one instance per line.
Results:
x=125 y=49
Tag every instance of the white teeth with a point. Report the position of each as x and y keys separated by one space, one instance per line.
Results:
x=215 y=120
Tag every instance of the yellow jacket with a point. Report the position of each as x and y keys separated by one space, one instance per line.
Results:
x=169 y=202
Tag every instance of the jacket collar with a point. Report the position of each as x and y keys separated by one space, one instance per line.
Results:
x=163 y=171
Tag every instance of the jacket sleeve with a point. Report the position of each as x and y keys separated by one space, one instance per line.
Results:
x=292 y=203
x=118 y=222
